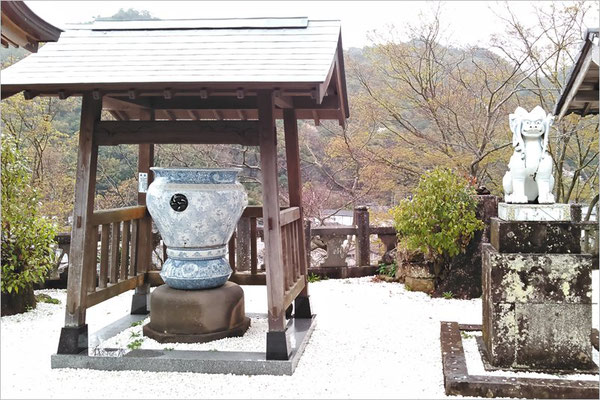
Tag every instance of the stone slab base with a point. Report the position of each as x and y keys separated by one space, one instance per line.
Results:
x=534 y=212
x=537 y=310
x=207 y=362
x=195 y=316
x=458 y=381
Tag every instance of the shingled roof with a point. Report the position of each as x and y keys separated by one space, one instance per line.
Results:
x=293 y=56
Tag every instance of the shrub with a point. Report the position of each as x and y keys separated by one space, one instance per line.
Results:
x=27 y=238
x=440 y=219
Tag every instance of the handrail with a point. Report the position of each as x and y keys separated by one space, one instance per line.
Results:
x=117 y=215
x=289 y=215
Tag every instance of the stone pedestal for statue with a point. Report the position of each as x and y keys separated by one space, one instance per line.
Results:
x=537 y=309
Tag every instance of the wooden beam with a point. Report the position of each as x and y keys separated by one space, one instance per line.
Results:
x=289 y=215
x=587 y=95
x=217 y=103
x=272 y=231
x=117 y=215
x=315 y=117
x=339 y=87
x=292 y=153
x=145 y=162
x=294 y=291
x=82 y=257
x=114 y=290
x=110 y=133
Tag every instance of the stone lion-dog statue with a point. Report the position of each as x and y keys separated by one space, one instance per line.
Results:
x=529 y=176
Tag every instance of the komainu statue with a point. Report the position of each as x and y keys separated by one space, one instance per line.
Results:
x=529 y=176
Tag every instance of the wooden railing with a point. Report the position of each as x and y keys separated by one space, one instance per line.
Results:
x=294 y=253
x=120 y=268
x=243 y=251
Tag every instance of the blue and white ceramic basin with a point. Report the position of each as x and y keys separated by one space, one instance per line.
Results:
x=196 y=212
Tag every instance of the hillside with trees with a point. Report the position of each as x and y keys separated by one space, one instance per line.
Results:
x=415 y=105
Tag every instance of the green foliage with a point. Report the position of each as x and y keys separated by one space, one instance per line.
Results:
x=138 y=323
x=448 y=295
x=135 y=344
x=388 y=269
x=313 y=277
x=137 y=341
x=27 y=238
x=440 y=219
x=44 y=298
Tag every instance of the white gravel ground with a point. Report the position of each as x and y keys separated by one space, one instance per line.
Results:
x=372 y=340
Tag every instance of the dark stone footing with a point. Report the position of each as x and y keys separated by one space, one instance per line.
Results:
x=73 y=340
x=302 y=307
x=139 y=304
x=278 y=346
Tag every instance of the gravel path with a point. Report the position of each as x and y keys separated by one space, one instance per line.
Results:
x=372 y=340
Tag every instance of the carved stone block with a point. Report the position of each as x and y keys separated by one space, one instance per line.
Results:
x=535 y=237
x=537 y=309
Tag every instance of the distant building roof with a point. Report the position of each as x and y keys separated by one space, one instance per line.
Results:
x=21 y=27
x=580 y=94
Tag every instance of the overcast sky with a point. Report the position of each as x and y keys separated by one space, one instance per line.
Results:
x=467 y=22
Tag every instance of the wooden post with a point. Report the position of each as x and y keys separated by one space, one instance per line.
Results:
x=278 y=346
x=82 y=257
x=141 y=298
x=242 y=249
x=292 y=155
x=363 y=244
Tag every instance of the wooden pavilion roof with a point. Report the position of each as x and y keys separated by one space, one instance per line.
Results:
x=21 y=27
x=193 y=69
x=580 y=94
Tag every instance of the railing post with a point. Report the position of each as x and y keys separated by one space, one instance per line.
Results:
x=141 y=298
x=307 y=241
x=363 y=244
x=242 y=249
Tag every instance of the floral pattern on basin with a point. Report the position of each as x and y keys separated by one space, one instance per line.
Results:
x=198 y=233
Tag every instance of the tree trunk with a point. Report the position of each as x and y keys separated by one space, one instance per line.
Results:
x=17 y=303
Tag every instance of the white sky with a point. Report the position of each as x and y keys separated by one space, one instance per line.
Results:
x=467 y=22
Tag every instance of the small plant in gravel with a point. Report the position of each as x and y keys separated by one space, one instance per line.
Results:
x=135 y=344
x=137 y=323
x=44 y=298
x=137 y=341
x=448 y=295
